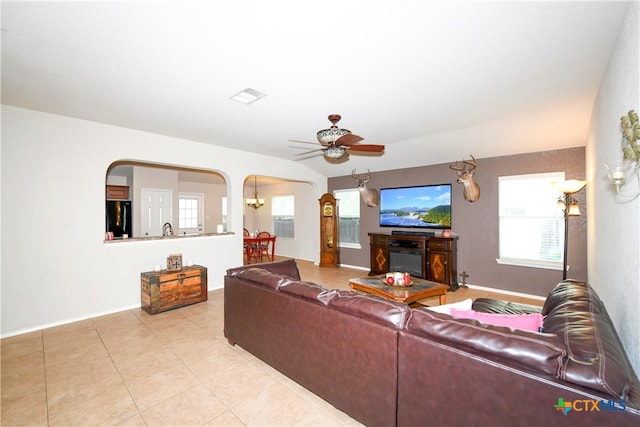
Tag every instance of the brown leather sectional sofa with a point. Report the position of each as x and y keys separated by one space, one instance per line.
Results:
x=386 y=364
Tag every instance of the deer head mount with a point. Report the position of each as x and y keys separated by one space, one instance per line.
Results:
x=368 y=195
x=465 y=177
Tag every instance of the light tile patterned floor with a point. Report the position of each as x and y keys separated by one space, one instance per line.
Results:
x=172 y=369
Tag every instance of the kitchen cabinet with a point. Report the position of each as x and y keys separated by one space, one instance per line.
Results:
x=117 y=192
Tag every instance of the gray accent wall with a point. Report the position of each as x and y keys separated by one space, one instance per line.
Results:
x=476 y=224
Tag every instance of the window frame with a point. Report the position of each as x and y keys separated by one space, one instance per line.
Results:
x=290 y=216
x=199 y=209
x=559 y=218
x=341 y=242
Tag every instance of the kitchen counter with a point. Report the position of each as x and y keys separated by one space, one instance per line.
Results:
x=176 y=236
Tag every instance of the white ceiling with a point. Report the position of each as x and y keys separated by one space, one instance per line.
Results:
x=433 y=81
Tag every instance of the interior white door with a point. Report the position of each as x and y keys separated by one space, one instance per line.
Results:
x=156 y=210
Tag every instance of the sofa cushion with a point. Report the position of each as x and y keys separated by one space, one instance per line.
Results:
x=371 y=307
x=540 y=352
x=287 y=267
x=527 y=322
x=308 y=290
x=263 y=277
x=445 y=308
x=596 y=358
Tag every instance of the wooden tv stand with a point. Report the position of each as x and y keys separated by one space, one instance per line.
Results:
x=437 y=255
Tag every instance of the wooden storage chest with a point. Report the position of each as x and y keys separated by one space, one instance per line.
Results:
x=165 y=290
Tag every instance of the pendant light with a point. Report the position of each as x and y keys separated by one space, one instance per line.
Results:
x=255 y=203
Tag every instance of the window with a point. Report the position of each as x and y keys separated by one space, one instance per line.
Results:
x=283 y=215
x=348 y=217
x=190 y=213
x=531 y=223
x=224 y=212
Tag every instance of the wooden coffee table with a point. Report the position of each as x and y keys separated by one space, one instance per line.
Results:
x=419 y=289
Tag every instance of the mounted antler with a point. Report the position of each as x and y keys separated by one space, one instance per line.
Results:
x=369 y=196
x=465 y=177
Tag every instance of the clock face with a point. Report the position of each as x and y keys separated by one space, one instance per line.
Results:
x=327 y=209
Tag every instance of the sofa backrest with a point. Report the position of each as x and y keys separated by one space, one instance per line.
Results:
x=308 y=290
x=371 y=307
x=287 y=267
x=367 y=307
x=595 y=356
x=536 y=351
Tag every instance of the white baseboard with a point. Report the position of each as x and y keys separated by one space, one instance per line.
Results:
x=502 y=291
x=67 y=321
x=355 y=267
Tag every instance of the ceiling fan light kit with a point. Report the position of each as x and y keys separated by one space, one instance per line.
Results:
x=337 y=142
x=331 y=135
x=334 y=152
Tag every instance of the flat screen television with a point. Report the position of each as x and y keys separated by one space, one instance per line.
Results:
x=424 y=206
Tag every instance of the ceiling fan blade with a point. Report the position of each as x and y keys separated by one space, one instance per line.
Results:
x=304 y=142
x=371 y=148
x=298 y=148
x=348 y=139
x=307 y=152
x=308 y=157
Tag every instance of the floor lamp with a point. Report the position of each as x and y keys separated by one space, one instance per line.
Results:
x=570 y=207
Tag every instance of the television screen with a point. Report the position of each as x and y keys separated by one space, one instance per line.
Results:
x=426 y=206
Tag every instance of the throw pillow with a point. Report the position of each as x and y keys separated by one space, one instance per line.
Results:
x=526 y=322
x=445 y=308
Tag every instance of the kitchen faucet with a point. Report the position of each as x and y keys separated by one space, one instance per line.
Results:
x=167 y=229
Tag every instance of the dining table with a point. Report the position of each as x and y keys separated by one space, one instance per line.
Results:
x=253 y=242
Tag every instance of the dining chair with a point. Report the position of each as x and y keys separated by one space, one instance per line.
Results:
x=245 y=245
x=262 y=246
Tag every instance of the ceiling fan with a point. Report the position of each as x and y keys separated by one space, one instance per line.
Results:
x=337 y=142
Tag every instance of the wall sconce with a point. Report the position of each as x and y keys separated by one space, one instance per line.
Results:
x=626 y=169
x=569 y=206
x=255 y=203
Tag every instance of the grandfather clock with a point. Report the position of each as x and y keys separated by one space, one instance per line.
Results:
x=329 y=250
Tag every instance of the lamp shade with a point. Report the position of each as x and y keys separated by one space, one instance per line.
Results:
x=574 y=210
x=569 y=186
x=331 y=135
x=334 y=152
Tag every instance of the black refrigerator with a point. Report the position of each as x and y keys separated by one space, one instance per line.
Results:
x=119 y=217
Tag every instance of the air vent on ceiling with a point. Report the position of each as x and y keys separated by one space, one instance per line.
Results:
x=248 y=96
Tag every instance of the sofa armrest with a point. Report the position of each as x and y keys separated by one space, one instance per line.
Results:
x=596 y=358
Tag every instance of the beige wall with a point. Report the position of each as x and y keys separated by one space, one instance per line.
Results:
x=476 y=223
x=614 y=226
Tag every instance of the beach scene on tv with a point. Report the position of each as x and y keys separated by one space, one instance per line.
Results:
x=426 y=206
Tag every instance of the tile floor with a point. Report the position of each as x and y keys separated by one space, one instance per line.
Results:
x=171 y=369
